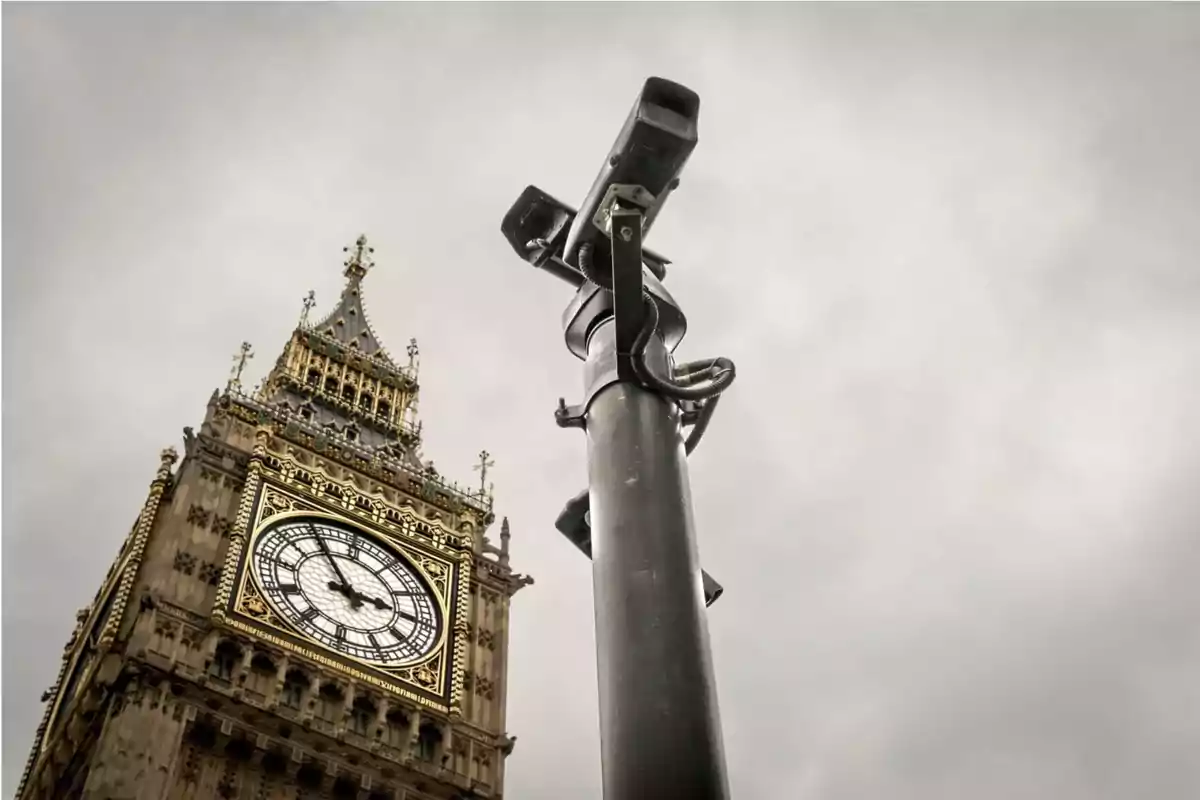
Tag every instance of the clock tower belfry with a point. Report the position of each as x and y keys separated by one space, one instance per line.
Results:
x=304 y=607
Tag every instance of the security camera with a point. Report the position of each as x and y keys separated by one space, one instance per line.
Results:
x=536 y=228
x=642 y=168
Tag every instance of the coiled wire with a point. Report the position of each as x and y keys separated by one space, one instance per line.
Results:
x=698 y=381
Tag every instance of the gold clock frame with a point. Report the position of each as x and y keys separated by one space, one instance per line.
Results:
x=250 y=590
x=275 y=487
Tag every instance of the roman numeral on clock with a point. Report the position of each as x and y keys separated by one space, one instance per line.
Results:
x=309 y=614
x=400 y=637
x=340 y=633
x=289 y=588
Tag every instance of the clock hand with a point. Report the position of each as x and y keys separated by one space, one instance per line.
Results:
x=375 y=601
x=346 y=589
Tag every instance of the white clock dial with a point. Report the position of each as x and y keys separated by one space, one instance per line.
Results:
x=347 y=590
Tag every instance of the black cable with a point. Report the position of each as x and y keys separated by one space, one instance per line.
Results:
x=587 y=267
x=701 y=381
x=702 y=419
x=721 y=370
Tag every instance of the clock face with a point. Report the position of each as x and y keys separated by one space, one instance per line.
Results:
x=346 y=590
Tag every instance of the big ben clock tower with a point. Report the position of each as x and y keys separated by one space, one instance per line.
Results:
x=303 y=608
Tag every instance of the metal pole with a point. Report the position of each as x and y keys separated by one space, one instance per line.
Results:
x=660 y=730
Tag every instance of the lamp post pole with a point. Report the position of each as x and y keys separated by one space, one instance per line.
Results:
x=660 y=728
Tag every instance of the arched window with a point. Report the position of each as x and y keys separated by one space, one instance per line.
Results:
x=428 y=739
x=362 y=715
x=294 y=686
x=314 y=377
x=331 y=385
x=329 y=702
x=262 y=664
x=397 y=727
x=224 y=660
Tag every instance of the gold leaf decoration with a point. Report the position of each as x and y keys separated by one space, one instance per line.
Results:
x=425 y=676
x=274 y=504
x=254 y=606
x=437 y=574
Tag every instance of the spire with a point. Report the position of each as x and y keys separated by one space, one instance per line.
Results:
x=485 y=463
x=505 y=535
x=336 y=376
x=239 y=363
x=360 y=261
x=310 y=300
x=414 y=356
x=347 y=323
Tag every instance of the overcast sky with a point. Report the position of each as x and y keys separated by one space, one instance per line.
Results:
x=952 y=250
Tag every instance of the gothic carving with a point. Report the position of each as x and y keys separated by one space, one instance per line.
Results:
x=165 y=628
x=185 y=563
x=275 y=503
x=137 y=545
x=253 y=605
x=428 y=485
x=210 y=573
x=197 y=516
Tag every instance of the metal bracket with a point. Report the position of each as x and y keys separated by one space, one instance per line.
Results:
x=569 y=416
x=574 y=522
x=629 y=312
x=619 y=194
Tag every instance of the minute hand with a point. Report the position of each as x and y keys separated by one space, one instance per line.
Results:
x=336 y=569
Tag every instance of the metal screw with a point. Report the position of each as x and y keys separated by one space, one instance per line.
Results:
x=626 y=233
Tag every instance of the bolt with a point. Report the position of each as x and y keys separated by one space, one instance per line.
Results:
x=626 y=233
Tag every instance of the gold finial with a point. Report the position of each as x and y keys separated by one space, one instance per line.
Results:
x=239 y=364
x=310 y=300
x=360 y=261
x=166 y=459
x=484 y=462
x=413 y=351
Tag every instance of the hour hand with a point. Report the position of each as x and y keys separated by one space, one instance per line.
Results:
x=375 y=601
x=347 y=592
